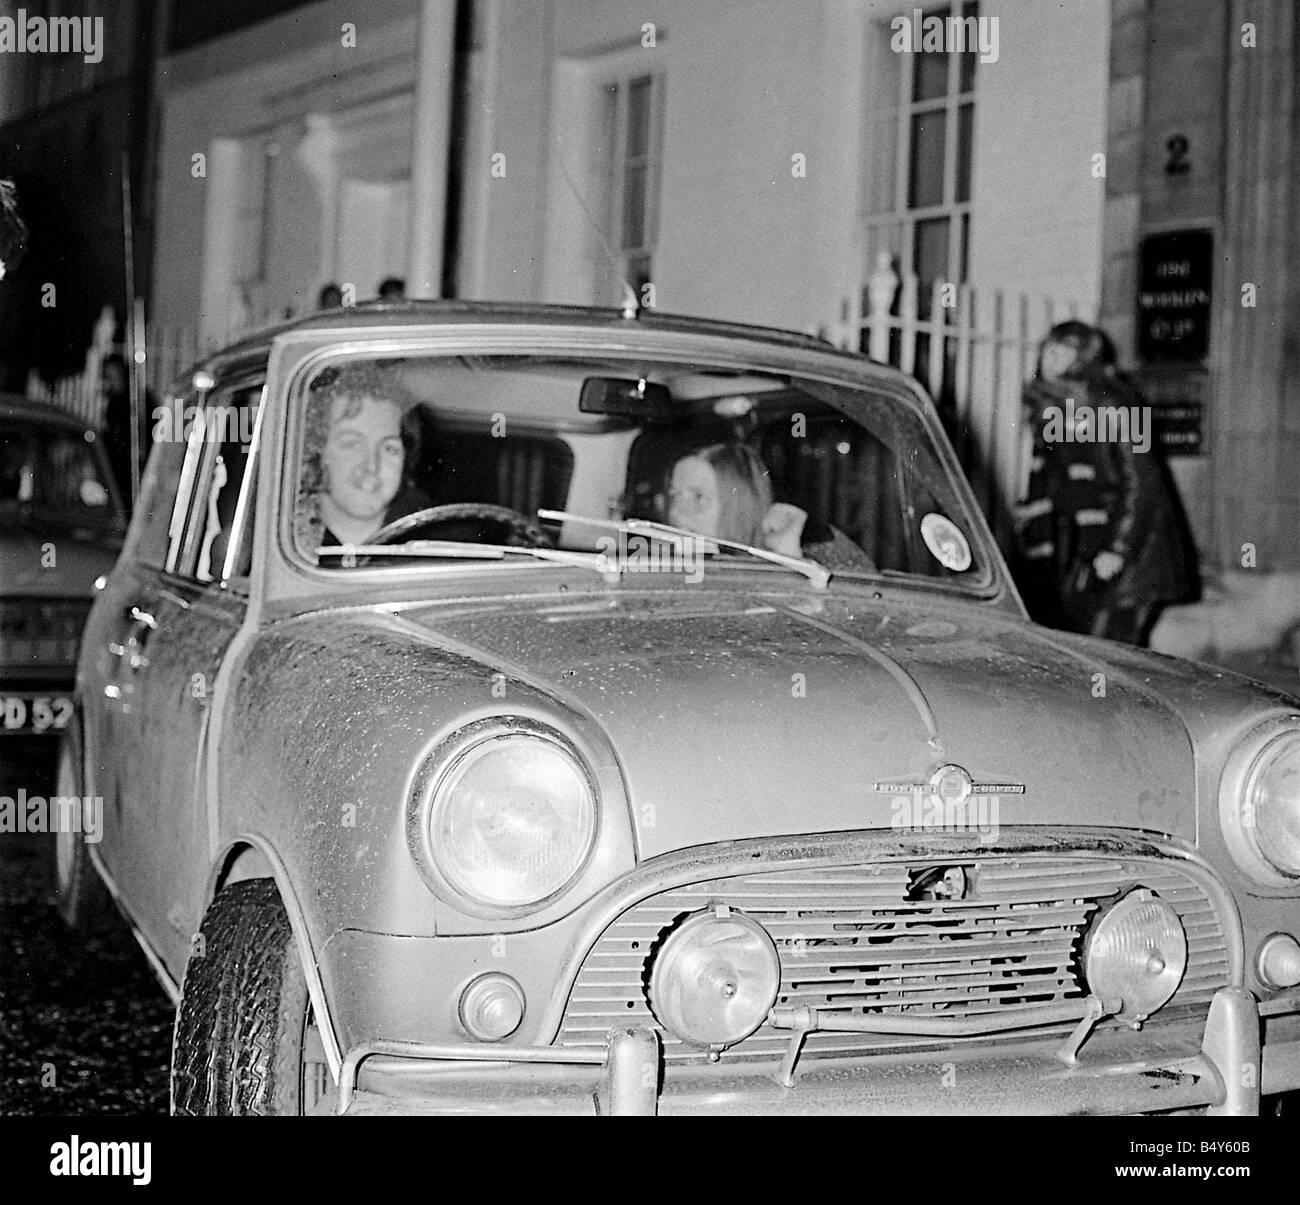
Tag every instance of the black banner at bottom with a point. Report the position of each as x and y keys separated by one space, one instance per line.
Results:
x=257 y=1154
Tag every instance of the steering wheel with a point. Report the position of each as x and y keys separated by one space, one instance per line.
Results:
x=518 y=530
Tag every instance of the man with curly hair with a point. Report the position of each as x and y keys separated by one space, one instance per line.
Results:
x=354 y=457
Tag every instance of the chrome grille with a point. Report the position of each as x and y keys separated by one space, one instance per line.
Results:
x=851 y=939
x=40 y=634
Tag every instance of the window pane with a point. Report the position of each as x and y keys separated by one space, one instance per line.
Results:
x=230 y=421
x=928 y=135
x=968 y=60
x=930 y=253
x=930 y=76
x=965 y=130
x=634 y=189
x=930 y=67
x=638 y=117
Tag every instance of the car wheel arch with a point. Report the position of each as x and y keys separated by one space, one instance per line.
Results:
x=243 y=860
x=251 y=857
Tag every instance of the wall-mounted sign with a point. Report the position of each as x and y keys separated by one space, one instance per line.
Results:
x=1173 y=301
x=1177 y=397
x=1178 y=429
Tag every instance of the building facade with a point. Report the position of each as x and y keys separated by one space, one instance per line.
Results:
x=1205 y=152
x=285 y=162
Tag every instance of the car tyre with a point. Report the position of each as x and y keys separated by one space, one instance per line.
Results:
x=245 y=1042
x=80 y=897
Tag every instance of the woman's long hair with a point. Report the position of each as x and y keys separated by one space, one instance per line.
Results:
x=744 y=490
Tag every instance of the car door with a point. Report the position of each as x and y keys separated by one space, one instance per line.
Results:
x=113 y=653
x=181 y=628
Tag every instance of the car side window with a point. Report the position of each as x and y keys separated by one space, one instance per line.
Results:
x=150 y=536
x=211 y=536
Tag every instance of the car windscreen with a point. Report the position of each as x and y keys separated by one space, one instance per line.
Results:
x=410 y=454
x=54 y=473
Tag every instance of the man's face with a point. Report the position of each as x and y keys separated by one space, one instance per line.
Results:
x=363 y=456
x=693 y=501
x=114 y=380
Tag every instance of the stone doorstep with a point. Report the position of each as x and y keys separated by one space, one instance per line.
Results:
x=1241 y=616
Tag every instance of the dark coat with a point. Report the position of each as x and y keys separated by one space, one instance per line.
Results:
x=117 y=437
x=1089 y=496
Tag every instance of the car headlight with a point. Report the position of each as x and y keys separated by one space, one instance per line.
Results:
x=1259 y=803
x=511 y=818
x=1135 y=955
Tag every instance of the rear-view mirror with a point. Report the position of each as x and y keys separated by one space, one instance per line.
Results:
x=631 y=398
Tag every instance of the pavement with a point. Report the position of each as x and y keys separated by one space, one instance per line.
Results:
x=85 y=1028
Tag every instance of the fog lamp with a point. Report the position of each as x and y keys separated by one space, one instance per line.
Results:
x=1279 y=961
x=714 y=978
x=1135 y=955
x=492 y=1007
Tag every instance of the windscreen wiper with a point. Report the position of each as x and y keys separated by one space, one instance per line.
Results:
x=817 y=574
x=458 y=550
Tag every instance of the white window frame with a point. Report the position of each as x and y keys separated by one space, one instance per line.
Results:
x=903 y=217
x=584 y=232
x=619 y=165
x=186 y=527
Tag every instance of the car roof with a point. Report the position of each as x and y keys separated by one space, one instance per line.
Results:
x=48 y=414
x=380 y=315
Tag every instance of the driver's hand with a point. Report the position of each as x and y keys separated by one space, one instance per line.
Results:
x=783 y=529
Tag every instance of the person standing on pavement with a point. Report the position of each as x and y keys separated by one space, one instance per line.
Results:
x=1049 y=554
x=1159 y=565
x=116 y=389
x=1102 y=548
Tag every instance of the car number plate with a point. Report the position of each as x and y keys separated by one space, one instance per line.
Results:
x=21 y=715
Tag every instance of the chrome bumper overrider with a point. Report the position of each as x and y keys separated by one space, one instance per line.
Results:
x=631 y=1062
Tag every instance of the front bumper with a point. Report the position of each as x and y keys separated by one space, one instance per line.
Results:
x=1244 y=1050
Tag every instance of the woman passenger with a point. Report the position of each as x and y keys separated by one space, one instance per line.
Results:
x=725 y=491
x=722 y=491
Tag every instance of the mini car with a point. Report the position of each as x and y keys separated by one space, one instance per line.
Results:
x=524 y=709
x=61 y=528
